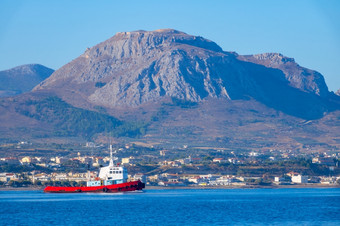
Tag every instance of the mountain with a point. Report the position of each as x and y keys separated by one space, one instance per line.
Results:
x=168 y=87
x=134 y=68
x=22 y=79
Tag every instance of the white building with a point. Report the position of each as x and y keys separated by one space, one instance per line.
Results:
x=299 y=179
x=60 y=160
x=5 y=177
x=224 y=181
x=128 y=161
x=278 y=179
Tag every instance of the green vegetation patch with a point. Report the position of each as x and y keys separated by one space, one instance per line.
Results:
x=100 y=84
x=71 y=121
x=182 y=103
x=306 y=141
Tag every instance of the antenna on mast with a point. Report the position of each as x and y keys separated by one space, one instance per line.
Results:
x=88 y=172
x=110 y=151
x=111 y=160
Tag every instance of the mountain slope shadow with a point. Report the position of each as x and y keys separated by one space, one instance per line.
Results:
x=278 y=94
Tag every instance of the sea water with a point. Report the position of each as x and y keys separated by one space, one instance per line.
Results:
x=174 y=207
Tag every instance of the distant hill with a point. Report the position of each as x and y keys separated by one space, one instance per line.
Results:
x=168 y=87
x=22 y=79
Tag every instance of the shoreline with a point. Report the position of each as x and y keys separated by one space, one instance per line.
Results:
x=244 y=187
x=37 y=188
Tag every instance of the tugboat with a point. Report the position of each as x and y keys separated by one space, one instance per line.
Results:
x=111 y=178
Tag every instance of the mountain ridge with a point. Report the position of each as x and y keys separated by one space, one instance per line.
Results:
x=22 y=78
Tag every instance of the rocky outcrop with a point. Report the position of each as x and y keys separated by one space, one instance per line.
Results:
x=22 y=79
x=299 y=77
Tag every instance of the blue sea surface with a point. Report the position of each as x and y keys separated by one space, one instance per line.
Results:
x=313 y=206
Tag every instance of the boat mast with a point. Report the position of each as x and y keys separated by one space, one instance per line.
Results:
x=111 y=160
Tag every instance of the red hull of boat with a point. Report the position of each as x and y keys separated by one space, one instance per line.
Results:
x=128 y=186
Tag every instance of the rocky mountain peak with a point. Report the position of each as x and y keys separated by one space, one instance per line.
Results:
x=139 y=43
x=134 y=68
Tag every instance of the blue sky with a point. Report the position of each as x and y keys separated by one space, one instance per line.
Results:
x=54 y=32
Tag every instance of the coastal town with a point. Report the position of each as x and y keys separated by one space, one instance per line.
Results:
x=172 y=168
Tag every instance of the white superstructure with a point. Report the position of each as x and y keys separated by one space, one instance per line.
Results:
x=111 y=174
x=116 y=173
